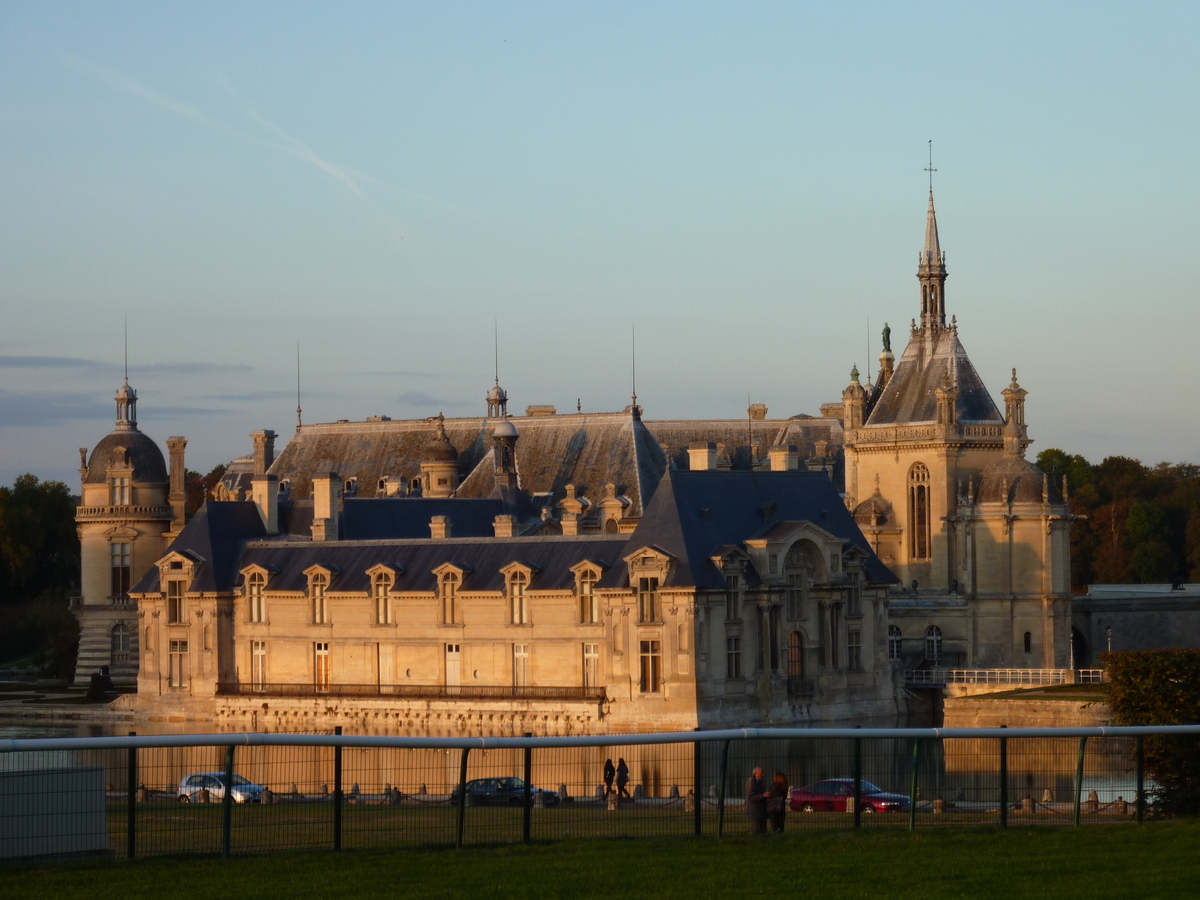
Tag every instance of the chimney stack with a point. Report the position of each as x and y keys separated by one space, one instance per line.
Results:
x=264 y=490
x=505 y=526
x=702 y=456
x=177 y=494
x=326 y=491
x=440 y=527
x=264 y=450
x=784 y=458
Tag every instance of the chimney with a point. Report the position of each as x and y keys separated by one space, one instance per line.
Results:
x=264 y=450
x=326 y=490
x=757 y=412
x=505 y=526
x=264 y=490
x=440 y=527
x=177 y=495
x=702 y=456
x=784 y=458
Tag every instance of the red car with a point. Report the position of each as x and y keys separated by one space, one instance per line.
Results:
x=834 y=794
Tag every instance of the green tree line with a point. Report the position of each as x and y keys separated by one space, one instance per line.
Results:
x=1142 y=523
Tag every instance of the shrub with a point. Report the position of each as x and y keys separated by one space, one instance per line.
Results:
x=1161 y=687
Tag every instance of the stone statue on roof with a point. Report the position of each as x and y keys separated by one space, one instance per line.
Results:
x=887 y=338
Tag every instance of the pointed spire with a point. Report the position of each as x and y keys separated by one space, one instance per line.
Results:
x=932 y=254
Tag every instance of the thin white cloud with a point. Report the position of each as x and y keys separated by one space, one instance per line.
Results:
x=126 y=85
x=282 y=141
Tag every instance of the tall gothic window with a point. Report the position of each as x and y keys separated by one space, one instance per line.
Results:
x=119 y=638
x=795 y=655
x=918 y=512
x=651 y=659
x=175 y=610
x=895 y=639
x=732 y=613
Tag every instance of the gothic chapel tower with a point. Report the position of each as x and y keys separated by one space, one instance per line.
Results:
x=937 y=479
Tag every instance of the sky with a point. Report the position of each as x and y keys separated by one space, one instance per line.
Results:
x=743 y=184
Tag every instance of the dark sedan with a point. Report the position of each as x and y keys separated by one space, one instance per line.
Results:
x=834 y=795
x=501 y=792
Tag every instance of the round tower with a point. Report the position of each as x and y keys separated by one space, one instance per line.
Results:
x=439 y=467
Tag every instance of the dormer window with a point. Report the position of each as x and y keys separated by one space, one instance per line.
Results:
x=518 y=602
x=448 y=585
x=589 y=603
x=175 y=603
x=119 y=490
x=648 y=605
x=256 y=583
x=318 y=583
x=381 y=592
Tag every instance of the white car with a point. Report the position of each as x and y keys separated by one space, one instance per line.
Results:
x=214 y=782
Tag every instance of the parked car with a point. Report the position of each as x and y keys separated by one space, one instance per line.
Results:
x=501 y=792
x=214 y=782
x=833 y=795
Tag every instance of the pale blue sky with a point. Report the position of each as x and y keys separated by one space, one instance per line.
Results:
x=379 y=181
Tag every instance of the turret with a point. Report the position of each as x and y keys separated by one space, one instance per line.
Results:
x=854 y=398
x=439 y=468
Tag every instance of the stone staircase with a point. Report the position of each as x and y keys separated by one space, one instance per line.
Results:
x=95 y=645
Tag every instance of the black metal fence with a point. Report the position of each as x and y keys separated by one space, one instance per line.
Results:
x=252 y=793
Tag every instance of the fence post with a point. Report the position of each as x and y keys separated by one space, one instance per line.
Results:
x=337 y=792
x=131 y=795
x=858 y=781
x=527 y=813
x=227 y=803
x=1079 y=777
x=1003 y=781
x=1140 y=799
x=912 y=792
x=697 y=774
x=462 y=798
x=721 y=789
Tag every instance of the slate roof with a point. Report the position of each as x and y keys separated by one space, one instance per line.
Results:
x=694 y=513
x=408 y=517
x=733 y=437
x=141 y=453
x=908 y=398
x=215 y=535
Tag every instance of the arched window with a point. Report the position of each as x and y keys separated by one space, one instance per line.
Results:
x=795 y=655
x=255 y=584
x=120 y=643
x=589 y=604
x=518 y=603
x=895 y=641
x=381 y=587
x=448 y=588
x=317 y=585
x=610 y=527
x=933 y=644
x=918 y=512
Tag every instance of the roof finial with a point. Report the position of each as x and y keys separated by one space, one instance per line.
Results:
x=299 y=422
x=633 y=344
x=496 y=340
x=931 y=169
x=127 y=348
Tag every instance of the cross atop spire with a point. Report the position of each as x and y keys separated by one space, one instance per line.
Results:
x=930 y=169
x=931 y=269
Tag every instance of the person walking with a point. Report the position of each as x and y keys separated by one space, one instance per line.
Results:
x=609 y=774
x=622 y=777
x=757 y=795
x=777 y=801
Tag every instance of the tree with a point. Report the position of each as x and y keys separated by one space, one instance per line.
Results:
x=199 y=487
x=1161 y=687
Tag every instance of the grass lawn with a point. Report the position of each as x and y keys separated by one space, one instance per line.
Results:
x=1156 y=860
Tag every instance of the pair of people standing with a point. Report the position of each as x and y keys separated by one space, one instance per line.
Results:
x=620 y=773
x=765 y=801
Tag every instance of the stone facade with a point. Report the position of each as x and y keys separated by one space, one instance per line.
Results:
x=938 y=482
